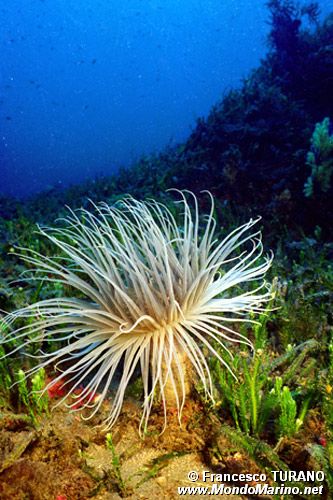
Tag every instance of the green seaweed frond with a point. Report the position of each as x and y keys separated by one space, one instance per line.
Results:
x=320 y=160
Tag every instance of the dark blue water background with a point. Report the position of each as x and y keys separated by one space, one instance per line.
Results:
x=89 y=85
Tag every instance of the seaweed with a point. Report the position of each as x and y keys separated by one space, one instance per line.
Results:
x=264 y=148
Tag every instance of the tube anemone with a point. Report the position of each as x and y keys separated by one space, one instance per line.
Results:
x=149 y=294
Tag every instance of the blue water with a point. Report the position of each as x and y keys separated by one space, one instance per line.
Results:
x=89 y=85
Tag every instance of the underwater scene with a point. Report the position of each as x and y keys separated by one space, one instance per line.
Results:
x=166 y=274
